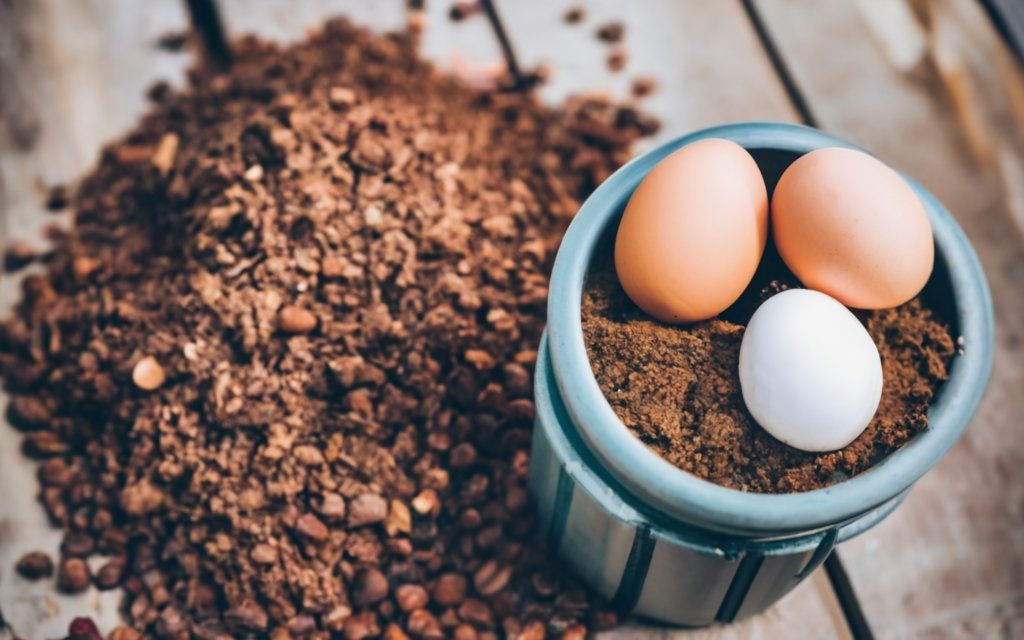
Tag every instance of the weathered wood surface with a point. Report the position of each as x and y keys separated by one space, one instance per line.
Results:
x=74 y=76
x=950 y=562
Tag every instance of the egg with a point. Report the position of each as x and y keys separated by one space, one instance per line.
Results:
x=848 y=225
x=809 y=372
x=693 y=232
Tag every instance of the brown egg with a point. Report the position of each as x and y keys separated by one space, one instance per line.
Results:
x=849 y=226
x=693 y=232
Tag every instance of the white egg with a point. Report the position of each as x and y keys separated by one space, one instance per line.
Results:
x=809 y=371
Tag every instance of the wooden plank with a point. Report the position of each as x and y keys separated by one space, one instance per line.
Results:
x=950 y=561
x=707 y=60
x=78 y=73
x=289 y=21
x=84 y=78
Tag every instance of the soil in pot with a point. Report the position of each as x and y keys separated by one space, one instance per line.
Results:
x=677 y=388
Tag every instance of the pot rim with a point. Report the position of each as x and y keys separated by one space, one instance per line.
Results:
x=682 y=496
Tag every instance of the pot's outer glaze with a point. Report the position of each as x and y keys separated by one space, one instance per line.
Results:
x=663 y=543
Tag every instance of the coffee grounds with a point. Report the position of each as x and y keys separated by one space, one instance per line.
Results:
x=677 y=388
x=279 y=370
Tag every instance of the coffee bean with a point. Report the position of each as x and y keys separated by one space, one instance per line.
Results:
x=80 y=494
x=248 y=615
x=476 y=612
x=171 y=624
x=34 y=565
x=515 y=499
x=643 y=86
x=55 y=472
x=448 y=619
x=370 y=586
x=521 y=409
x=53 y=501
x=394 y=632
x=573 y=15
x=362 y=625
x=400 y=546
x=109 y=575
x=411 y=596
x=464 y=632
x=512 y=627
x=491 y=578
x=77 y=544
x=534 y=630
x=461 y=10
x=28 y=413
x=301 y=625
x=470 y=519
x=423 y=624
x=611 y=32
x=480 y=359
x=112 y=541
x=545 y=584
x=140 y=609
x=73 y=575
x=517 y=379
x=296 y=320
x=43 y=444
x=462 y=456
x=449 y=589
x=490 y=536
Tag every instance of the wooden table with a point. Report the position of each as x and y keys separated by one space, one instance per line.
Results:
x=926 y=85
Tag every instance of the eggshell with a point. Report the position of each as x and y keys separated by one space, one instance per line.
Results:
x=810 y=374
x=693 y=232
x=848 y=225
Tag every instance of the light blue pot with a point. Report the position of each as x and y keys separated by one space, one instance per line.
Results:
x=663 y=543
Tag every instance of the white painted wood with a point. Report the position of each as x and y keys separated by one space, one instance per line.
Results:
x=707 y=60
x=897 y=32
x=80 y=70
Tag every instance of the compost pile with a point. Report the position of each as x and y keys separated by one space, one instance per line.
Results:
x=279 y=371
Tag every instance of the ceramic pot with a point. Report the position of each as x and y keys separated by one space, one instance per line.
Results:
x=664 y=544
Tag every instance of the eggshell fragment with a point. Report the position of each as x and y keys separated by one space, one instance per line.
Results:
x=810 y=374
x=848 y=225
x=693 y=232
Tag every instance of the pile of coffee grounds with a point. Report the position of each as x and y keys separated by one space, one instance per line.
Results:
x=677 y=388
x=279 y=371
